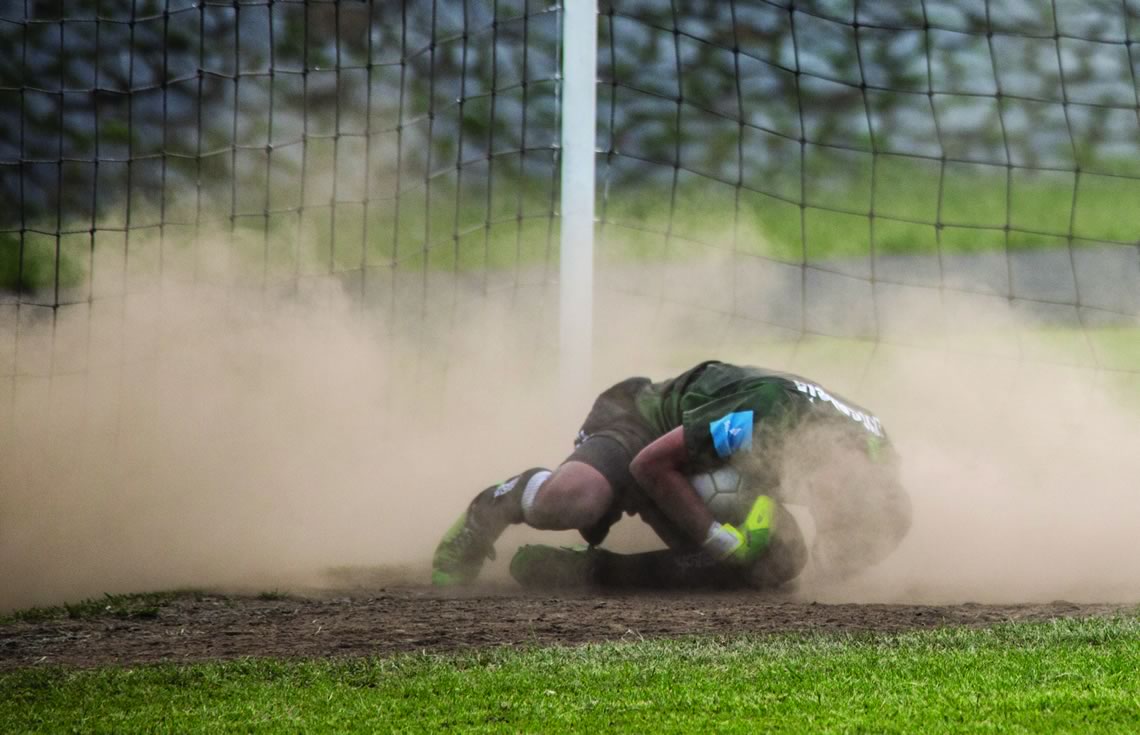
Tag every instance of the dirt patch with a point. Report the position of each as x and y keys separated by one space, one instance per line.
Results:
x=417 y=619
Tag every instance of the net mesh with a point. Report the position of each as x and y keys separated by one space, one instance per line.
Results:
x=885 y=172
x=404 y=152
x=862 y=170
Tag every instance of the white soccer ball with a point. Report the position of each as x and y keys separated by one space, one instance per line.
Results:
x=723 y=491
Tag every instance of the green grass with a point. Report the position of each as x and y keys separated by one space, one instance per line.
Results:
x=137 y=606
x=972 y=203
x=1060 y=676
x=455 y=225
x=36 y=267
x=1121 y=343
x=444 y=229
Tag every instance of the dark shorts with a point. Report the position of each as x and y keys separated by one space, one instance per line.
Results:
x=614 y=432
x=615 y=415
x=611 y=436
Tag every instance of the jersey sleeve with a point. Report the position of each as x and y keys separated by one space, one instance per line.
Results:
x=717 y=429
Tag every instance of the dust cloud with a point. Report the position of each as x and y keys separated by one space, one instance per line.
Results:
x=215 y=439
x=1024 y=481
x=1019 y=453
x=197 y=437
x=1021 y=480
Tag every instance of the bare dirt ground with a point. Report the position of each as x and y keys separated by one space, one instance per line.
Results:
x=205 y=627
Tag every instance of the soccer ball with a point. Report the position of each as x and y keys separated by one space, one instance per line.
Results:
x=723 y=491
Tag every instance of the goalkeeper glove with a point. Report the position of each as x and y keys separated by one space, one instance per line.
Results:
x=743 y=545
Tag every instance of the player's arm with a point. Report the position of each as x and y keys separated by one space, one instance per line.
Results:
x=659 y=469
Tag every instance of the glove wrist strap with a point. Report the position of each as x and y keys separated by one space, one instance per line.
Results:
x=720 y=541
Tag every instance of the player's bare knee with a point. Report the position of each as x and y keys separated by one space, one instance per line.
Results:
x=575 y=496
x=593 y=503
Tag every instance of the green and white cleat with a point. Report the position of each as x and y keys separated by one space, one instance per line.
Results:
x=538 y=566
x=461 y=553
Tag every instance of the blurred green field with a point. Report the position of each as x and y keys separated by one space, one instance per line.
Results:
x=917 y=210
x=474 y=223
x=1059 y=676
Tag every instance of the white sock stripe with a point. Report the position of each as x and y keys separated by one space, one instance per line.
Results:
x=531 y=490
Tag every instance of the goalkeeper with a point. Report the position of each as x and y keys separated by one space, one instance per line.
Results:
x=634 y=455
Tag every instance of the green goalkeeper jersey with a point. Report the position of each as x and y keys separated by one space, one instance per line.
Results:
x=723 y=406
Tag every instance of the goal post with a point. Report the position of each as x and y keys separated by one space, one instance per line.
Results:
x=579 y=110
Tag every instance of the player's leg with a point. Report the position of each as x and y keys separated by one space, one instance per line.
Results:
x=544 y=567
x=575 y=496
x=470 y=540
x=583 y=493
x=786 y=555
x=782 y=560
x=538 y=566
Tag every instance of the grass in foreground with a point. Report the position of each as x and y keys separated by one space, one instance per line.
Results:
x=1065 y=675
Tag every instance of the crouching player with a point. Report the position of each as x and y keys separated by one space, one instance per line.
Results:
x=790 y=438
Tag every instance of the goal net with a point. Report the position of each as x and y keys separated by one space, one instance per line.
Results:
x=925 y=175
x=770 y=176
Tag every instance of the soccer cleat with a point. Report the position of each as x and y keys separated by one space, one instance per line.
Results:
x=471 y=539
x=538 y=566
x=461 y=552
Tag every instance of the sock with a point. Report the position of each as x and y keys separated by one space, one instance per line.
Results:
x=530 y=491
x=506 y=504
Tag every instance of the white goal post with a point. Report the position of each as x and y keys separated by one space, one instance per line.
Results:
x=576 y=270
